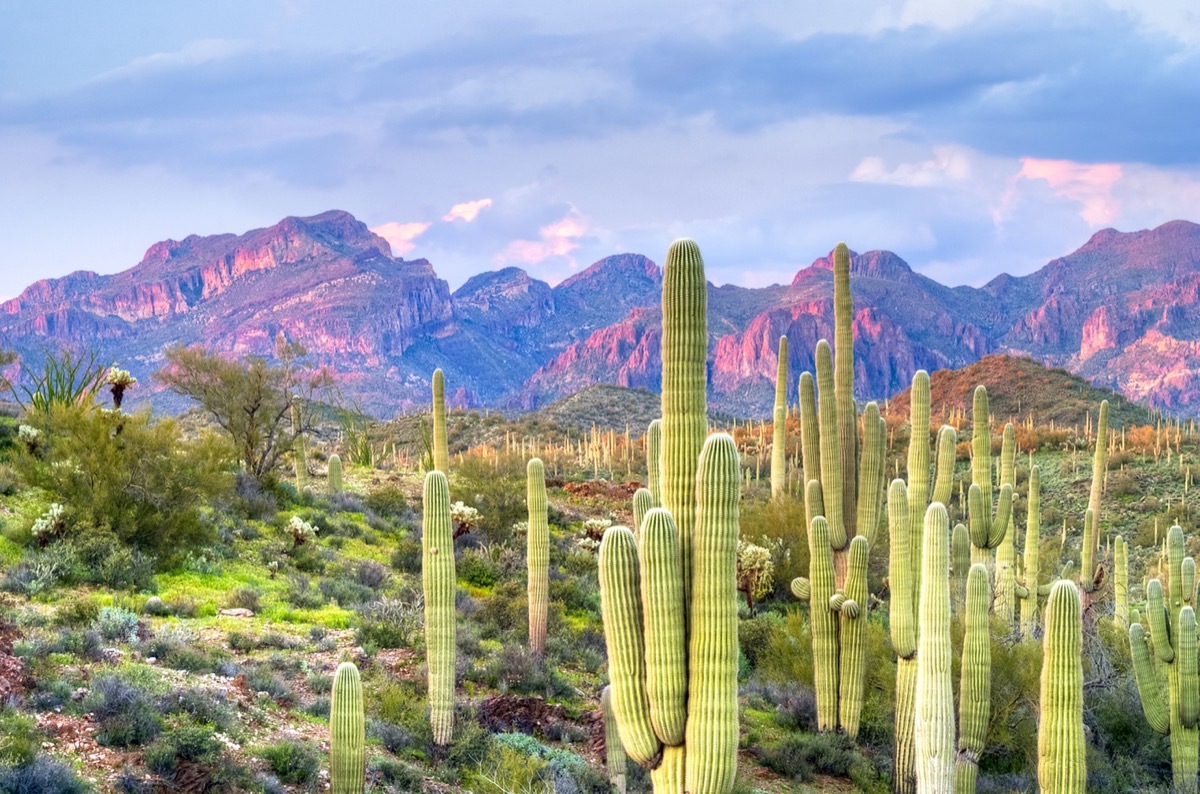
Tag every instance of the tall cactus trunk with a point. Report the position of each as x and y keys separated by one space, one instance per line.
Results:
x=779 y=477
x=654 y=462
x=1091 y=573
x=934 y=724
x=441 y=452
x=975 y=687
x=537 y=556
x=1062 y=761
x=438 y=579
x=347 y=732
x=1032 y=561
x=614 y=751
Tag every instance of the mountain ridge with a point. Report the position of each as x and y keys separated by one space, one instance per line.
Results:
x=1123 y=311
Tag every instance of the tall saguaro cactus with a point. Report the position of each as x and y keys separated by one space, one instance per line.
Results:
x=975 y=687
x=779 y=439
x=1091 y=573
x=668 y=596
x=537 y=556
x=1120 y=582
x=1173 y=633
x=347 y=732
x=441 y=452
x=614 y=751
x=987 y=528
x=438 y=580
x=934 y=721
x=1062 y=762
x=1028 y=589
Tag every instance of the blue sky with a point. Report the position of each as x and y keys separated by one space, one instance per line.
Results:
x=969 y=137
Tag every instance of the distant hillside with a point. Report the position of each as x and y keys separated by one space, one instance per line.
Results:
x=605 y=407
x=1019 y=387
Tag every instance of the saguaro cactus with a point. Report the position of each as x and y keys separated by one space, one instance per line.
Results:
x=1173 y=632
x=654 y=461
x=975 y=685
x=674 y=680
x=1091 y=573
x=537 y=556
x=934 y=722
x=335 y=473
x=347 y=732
x=643 y=503
x=614 y=751
x=1062 y=762
x=1120 y=582
x=438 y=579
x=779 y=439
x=1028 y=588
x=441 y=452
x=987 y=528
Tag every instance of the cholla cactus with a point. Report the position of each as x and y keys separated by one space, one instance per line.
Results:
x=464 y=517
x=118 y=381
x=30 y=436
x=301 y=531
x=594 y=528
x=755 y=572
x=50 y=524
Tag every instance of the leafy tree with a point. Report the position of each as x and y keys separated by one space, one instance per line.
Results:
x=250 y=399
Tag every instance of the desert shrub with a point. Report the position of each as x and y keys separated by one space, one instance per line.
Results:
x=346 y=592
x=389 y=772
x=301 y=593
x=800 y=756
x=566 y=771
x=406 y=557
x=42 y=776
x=387 y=500
x=123 y=711
x=399 y=715
x=508 y=770
x=476 y=569
x=392 y=622
x=116 y=623
x=782 y=520
x=498 y=495
x=185 y=743
x=156 y=607
x=146 y=484
x=261 y=679
x=504 y=612
x=243 y=598
x=241 y=642
x=516 y=669
x=371 y=575
x=19 y=739
x=293 y=761
x=77 y=612
x=754 y=635
x=317 y=707
x=202 y=706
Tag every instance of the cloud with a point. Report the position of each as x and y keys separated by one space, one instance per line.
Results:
x=949 y=164
x=1091 y=186
x=467 y=210
x=400 y=236
x=557 y=239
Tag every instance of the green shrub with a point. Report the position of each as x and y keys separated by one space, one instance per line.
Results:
x=293 y=761
x=243 y=598
x=406 y=557
x=77 y=612
x=387 y=500
x=395 y=773
x=123 y=711
x=116 y=623
x=476 y=569
x=186 y=743
x=43 y=776
x=19 y=739
x=392 y=623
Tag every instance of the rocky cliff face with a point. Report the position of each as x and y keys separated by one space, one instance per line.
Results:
x=1123 y=311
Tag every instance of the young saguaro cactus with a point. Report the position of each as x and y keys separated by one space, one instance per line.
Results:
x=441 y=452
x=335 y=473
x=779 y=439
x=347 y=732
x=987 y=528
x=643 y=503
x=537 y=556
x=1062 y=751
x=668 y=596
x=438 y=580
x=1172 y=621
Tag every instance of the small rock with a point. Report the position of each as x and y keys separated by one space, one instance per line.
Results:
x=240 y=612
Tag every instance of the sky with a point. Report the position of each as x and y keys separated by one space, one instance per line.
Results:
x=970 y=137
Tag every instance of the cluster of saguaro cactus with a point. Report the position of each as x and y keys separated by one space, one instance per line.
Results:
x=335 y=473
x=846 y=490
x=441 y=452
x=906 y=518
x=537 y=556
x=614 y=751
x=668 y=594
x=987 y=528
x=1062 y=751
x=438 y=579
x=1172 y=620
x=347 y=733
x=779 y=479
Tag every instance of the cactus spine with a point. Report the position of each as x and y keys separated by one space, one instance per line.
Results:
x=654 y=461
x=441 y=452
x=614 y=751
x=933 y=728
x=668 y=597
x=537 y=556
x=1173 y=633
x=335 y=473
x=1062 y=764
x=438 y=579
x=779 y=440
x=975 y=685
x=347 y=732
x=988 y=529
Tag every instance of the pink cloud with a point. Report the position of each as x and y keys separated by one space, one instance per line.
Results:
x=559 y=238
x=1089 y=185
x=400 y=236
x=467 y=210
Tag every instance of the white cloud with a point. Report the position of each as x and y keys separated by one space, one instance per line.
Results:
x=400 y=236
x=467 y=210
x=557 y=239
x=949 y=164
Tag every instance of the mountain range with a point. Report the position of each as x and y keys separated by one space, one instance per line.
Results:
x=1123 y=311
